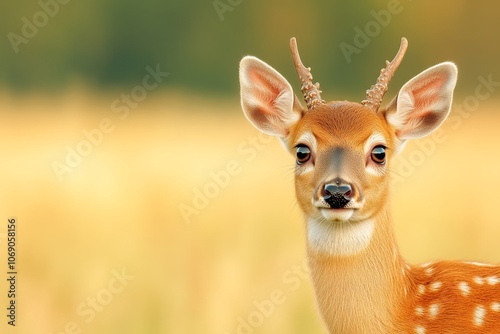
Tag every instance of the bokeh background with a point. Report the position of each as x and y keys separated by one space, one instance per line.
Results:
x=179 y=217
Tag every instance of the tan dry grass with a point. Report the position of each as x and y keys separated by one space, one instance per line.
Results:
x=119 y=209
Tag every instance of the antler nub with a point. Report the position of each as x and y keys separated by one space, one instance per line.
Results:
x=311 y=92
x=375 y=94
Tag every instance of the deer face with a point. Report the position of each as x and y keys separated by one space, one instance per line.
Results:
x=343 y=149
x=342 y=152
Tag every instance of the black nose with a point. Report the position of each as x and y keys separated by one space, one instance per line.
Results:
x=337 y=194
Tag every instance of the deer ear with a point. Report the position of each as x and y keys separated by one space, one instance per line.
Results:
x=267 y=98
x=423 y=103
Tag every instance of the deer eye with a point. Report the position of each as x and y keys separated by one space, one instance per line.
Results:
x=303 y=154
x=378 y=154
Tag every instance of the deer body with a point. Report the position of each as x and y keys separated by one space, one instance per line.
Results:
x=343 y=152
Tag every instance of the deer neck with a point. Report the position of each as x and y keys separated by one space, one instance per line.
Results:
x=359 y=287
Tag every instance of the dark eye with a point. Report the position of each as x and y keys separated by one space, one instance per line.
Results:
x=303 y=154
x=378 y=154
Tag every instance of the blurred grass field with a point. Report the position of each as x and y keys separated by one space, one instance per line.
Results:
x=215 y=271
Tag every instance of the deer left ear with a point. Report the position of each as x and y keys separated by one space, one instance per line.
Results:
x=423 y=103
x=267 y=98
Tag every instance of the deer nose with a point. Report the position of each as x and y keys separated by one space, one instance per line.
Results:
x=337 y=193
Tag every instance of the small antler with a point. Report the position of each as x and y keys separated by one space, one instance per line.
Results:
x=376 y=92
x=312 y=93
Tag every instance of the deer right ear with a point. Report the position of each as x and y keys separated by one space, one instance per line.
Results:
x=423 y=103
x=267 y=98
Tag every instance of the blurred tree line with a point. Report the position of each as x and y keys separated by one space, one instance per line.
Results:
x=109 y=43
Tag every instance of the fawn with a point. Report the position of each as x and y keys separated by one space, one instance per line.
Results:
x=343 y=153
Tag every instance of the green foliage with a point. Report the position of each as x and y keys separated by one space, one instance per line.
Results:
x=109 y=42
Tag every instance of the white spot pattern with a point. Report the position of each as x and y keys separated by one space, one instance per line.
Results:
x=479 y=314
x=492 y=280
x=464 y=288
x=420 y=330
x=435 y=286
x=495 y=307
x=479 y=280
x=433 y=311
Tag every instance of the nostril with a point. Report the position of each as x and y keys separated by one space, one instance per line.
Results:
x=337 y=196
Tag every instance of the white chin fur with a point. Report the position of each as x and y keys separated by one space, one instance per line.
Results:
x=340 y=238
x=337 y=215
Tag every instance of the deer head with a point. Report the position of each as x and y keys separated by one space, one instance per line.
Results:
x=343 y=149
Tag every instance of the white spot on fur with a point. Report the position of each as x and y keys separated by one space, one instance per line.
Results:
x=435 y=286
x=433 y=311
x=492 y=280
x=479 y=280
x=339 y=238
x=479 y=314
x=419 y=330
x=495 y=307
x=419 y=311
x=464 y=288
x=429 y=271
x=421 y=289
